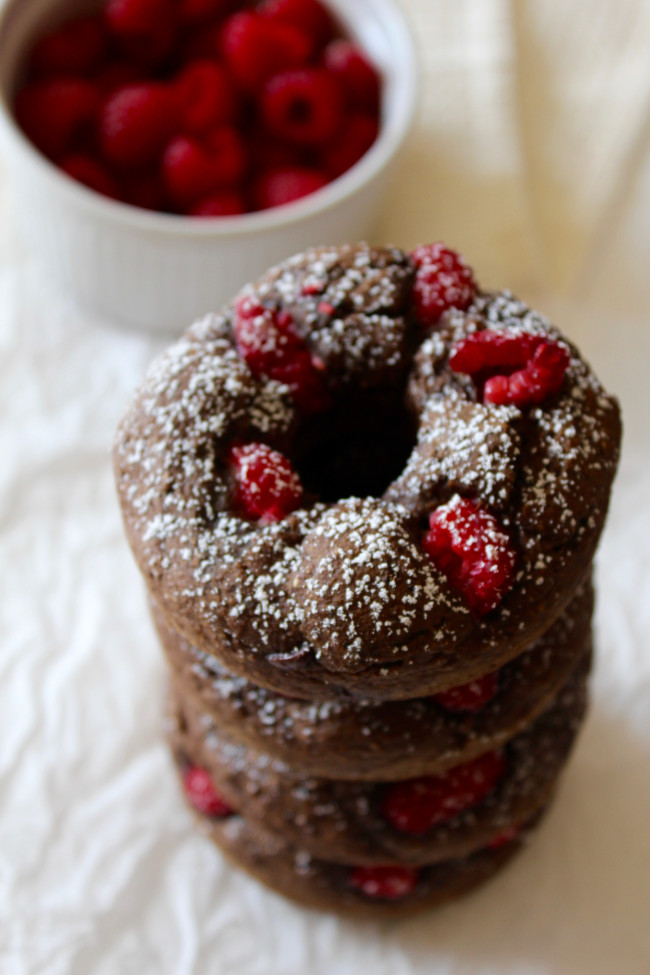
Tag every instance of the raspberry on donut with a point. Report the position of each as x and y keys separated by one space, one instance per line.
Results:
x=476 y=555
x=386 y=883
x=266 y=485
x=418 y=805
x=443 y=280
x=202 y=794
x=521 y=369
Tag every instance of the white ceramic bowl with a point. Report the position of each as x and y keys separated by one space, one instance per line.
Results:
x=160 y=271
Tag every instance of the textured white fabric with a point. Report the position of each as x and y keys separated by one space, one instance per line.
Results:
x=531 y=154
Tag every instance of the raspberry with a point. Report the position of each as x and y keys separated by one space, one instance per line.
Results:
x=54 y=113
x=466 y=543
x=528 y=368
x=256 y=48
x=505 y=837
x=385 y=883
x=117 y=74
x=135 y=123
x=489 y=350
x=144 y=29
x=269 y=344
x=270 y=153
x=442 y=281
x=195 y=11
x=144 y=189
x=206 y=97
x=91 y=173
x=266 y=485
x=202 y=794
x=357 y=76
x=195 y=169
x=542 y=376
x=76 y=49
x=470 y=697
x=309 y=15
x=358 y=134
x=302 y=106
x=226 y=204
x=280 y=186
x=418 y=805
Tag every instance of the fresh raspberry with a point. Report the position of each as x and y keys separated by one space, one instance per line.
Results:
x=384 y=883
x=309 y=15
x=91 y=173
x=53 y=114
x=358 y=134
x=202 y=794
x=470 y=697
x=442 y=281
x=270 y=153
x=144 y=189
x=302 y=106
x=196 y=11
x=268 y=342
x=75 y=49
x=206 y=97
x=266 y=485
x=468 y=546
x=135 y=123
x=504 y=838
x=194 y=169
x=417 y=805
x=356 y=75
x=511 y=369
x=226 y=204
x=280 y=186
x=144 y=29
x=117 y=74
x=255 y=48
x=200 y=45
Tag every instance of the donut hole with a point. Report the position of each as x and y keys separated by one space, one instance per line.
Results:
x=357 y=449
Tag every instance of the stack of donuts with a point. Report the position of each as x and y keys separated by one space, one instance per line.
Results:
x=365 y=499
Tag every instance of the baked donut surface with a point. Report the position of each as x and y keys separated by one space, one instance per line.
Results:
x=339 y=596
x=348 y=822
x=362 y=739
x=324 y=885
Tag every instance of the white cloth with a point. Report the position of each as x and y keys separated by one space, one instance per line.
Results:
x=531 y=154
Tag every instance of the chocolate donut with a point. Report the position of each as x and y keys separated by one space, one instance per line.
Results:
x=348 y=889
x=349 y=738
x=378 y=425
x=389 y=823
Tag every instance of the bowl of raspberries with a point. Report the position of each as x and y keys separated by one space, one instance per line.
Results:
x=161 y=153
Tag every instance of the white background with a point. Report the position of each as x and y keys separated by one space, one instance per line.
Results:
x=532 y=155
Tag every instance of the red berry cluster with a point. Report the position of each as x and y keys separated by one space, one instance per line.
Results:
x=266 y=487
x=201 y=107
x=467 y=544
x=511 y=369
x=270 y=345
x=417 y=805
x=201 y=793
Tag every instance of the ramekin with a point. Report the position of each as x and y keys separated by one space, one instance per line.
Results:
x=160 y=271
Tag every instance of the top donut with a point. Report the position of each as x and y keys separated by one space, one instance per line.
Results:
x=366 y=475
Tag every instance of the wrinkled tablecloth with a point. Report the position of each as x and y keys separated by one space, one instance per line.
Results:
x=531 y=154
